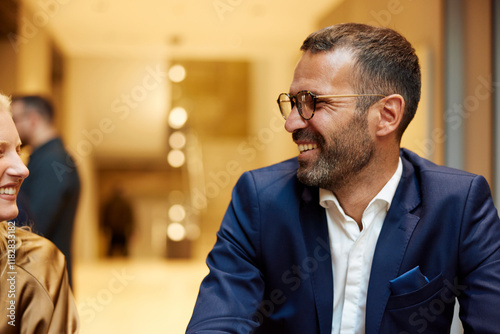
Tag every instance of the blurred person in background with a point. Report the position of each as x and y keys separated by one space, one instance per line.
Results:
x=53 y=189
x=118 y=222
x=35 y=296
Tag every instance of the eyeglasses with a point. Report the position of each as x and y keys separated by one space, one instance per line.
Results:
x=306 y=102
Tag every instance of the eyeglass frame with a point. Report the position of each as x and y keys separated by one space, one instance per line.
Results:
x=315 y=99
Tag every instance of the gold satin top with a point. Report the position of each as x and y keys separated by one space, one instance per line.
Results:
x=35 y=297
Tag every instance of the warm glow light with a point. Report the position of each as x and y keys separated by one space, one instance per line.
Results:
x=177 y=212
x=192 y=231
x=177 y=73
x=176 y=158
x=177 y=117
x=176 y=232
x=177 y=140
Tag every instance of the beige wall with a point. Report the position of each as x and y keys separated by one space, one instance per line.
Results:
x=34 y=58
x=123 y=103
x=477 y=103
x=8 y=64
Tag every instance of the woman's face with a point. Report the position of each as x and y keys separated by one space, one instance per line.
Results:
x=12 y=168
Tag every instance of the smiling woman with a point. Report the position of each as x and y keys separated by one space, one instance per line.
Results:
x=35 y=294
x=12 y=169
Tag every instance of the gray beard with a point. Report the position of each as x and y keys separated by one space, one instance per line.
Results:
x=348 y=153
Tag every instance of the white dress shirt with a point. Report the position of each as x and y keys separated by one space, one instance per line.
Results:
x=352 y=254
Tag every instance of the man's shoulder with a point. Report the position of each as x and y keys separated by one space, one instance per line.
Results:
x=52 y=160
x=277 y=176
x=55 y=146
x=284 y=171
x=436 y=179
x=424 y=166
x=287 y=166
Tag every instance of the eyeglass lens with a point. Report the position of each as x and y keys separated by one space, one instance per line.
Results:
x=285 y=105
x=305 y=104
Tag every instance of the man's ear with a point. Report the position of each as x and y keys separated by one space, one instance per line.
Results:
x=391 y=114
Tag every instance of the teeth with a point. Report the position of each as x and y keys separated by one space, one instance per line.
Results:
x=307 y=147
x=8 y=191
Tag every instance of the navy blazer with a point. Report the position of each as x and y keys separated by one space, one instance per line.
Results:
x=271 y=269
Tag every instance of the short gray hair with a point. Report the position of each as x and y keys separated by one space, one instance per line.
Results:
x=385 y=62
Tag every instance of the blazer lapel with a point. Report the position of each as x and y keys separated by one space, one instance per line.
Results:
x=391 y=245
x=315 y=230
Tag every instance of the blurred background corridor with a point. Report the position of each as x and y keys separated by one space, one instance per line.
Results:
x=169 y=101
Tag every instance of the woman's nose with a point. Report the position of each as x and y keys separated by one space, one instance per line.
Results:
x=18 y=168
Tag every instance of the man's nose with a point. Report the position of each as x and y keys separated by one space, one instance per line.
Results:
x=294 y=121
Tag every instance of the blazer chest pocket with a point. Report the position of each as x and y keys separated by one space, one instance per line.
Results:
x=413 y=288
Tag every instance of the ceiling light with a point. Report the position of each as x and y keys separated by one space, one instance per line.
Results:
x=177 y=73
x=177 y=212
x=176 y=232
x=177 y=117
x=176 y=158
x=177 y=140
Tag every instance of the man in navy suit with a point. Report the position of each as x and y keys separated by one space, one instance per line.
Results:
x=355 y=235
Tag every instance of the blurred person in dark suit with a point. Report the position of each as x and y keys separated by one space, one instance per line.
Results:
x=53 y=190
x=118 y=222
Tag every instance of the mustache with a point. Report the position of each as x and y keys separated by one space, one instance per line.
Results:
x=307 y=135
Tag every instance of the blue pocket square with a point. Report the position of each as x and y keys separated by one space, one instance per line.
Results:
x=408 y=282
